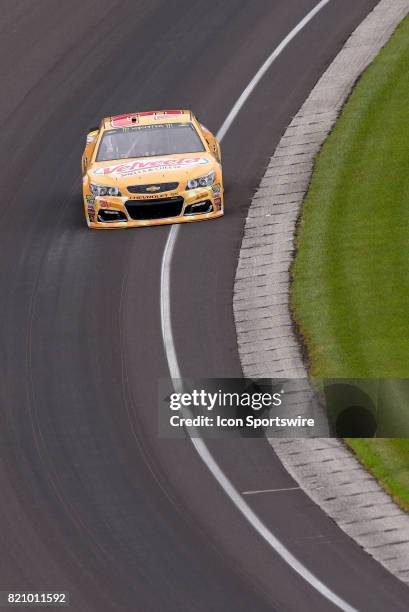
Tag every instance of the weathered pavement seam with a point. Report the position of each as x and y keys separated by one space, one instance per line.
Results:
x=268 y=347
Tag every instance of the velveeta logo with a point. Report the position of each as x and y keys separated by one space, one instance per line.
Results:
x=135 y=167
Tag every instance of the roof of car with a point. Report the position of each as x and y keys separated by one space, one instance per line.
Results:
x=148 y=117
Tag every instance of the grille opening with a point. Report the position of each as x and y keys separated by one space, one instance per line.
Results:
x=163 y=208
x=152 y=188
x=199 y=208
x=105 y=216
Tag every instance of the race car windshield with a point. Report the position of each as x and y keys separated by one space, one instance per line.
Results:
x=149 y=141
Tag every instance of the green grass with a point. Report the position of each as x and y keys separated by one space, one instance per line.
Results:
x=350 y=290
x=389 y=463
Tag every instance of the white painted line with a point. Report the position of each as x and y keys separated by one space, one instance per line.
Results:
x=263 y=531
x=270 y=491
x=173 y=365
x=261 y=72
x=166 y=321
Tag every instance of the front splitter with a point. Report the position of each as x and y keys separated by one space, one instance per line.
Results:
x=151 y=222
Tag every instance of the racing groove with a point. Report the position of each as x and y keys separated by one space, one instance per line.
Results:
x=91 y=501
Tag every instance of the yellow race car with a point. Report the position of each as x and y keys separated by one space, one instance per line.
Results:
x=151 y=168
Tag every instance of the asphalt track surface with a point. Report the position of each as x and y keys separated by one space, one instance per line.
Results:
x=91 y=500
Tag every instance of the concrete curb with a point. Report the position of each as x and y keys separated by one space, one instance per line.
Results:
x=268 y=347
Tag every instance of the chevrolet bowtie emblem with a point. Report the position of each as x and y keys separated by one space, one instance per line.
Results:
x=153 y=188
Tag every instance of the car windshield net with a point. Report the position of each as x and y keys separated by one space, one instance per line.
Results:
x=149 y=141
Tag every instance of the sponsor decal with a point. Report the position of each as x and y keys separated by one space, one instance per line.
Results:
x=217 y=189
x=161 y=112
x=121 y=120
x=130 y=129
x=104 y=203
x=218 y=203
x=91 y=212
x=141 y=166
x=90 y=207
x=147 y=196
x=91 y=139
x=165 y=114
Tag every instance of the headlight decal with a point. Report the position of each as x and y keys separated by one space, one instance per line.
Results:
x=201 y=181
x=103 y=190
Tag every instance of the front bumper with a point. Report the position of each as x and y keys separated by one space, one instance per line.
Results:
x=193 y=205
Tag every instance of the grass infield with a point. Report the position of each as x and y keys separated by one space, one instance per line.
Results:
x=350 y=289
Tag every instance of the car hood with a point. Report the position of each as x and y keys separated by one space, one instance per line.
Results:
x=144 y=170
